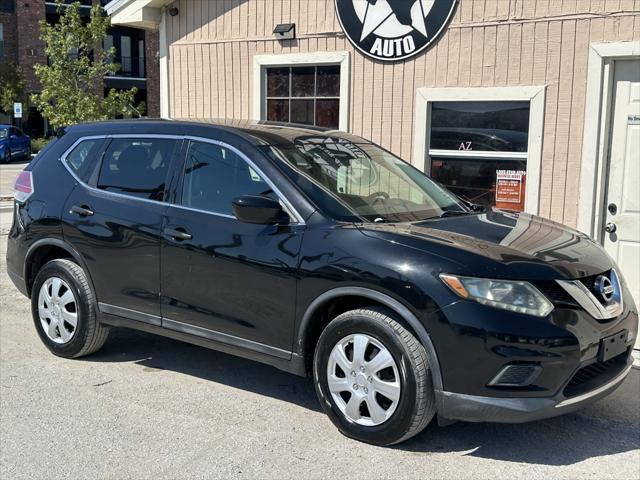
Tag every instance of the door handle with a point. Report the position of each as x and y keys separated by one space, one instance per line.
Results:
x=82 y=210
x=610 y=227
x=178 y=233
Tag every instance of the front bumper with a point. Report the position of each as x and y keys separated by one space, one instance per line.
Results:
x=473 y=408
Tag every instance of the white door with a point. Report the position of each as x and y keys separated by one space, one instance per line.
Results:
x=622 y=208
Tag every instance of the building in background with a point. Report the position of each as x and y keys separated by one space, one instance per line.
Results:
x=532 y=105
x=136 y=52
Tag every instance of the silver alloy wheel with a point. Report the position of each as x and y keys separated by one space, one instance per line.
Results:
x=363 y=380
x=57 y=310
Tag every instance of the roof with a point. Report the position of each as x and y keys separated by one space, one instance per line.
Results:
x=255 y=132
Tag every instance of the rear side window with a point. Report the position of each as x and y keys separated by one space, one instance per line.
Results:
x=214 y=176
x=137 y=167
x=82 y=159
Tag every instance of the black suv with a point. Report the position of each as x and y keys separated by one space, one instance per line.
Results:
x=321 y=254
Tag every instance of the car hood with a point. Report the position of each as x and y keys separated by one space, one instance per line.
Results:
x=499 y=244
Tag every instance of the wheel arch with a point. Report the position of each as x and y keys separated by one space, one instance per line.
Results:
x=367 y=296
x=45 y=250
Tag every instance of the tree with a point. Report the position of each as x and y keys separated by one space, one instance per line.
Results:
x=12 y=87
x=72 y=81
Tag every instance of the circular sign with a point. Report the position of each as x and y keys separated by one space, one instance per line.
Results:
x=391 y=30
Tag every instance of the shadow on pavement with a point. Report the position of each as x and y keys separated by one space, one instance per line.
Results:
x=605 y=428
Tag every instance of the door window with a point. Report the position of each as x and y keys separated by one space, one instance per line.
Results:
x=479 y=150
x=214 y=176
x=137 y=167
x=82 y=159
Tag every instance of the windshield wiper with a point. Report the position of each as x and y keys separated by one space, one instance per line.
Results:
x=454 y=213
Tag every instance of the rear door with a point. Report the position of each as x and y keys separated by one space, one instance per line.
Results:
x=223 y=279
x=113 y=218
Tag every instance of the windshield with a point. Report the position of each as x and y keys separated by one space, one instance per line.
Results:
x=352 y=181
x=4 y=132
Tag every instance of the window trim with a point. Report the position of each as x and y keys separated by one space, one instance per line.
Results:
x=298 y=219
x=262 y=62
x=535 y=95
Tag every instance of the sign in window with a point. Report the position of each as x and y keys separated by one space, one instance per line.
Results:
x=478 y=149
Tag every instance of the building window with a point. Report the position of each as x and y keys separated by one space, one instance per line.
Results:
x=306 y=88
x=7 y=6
x=1 y=40
x=478 y=150
x=309 y=95
x=483 y=143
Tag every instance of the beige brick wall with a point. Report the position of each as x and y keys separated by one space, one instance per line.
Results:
x=488 y=43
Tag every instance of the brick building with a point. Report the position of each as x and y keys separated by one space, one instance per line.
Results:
x=136 y=52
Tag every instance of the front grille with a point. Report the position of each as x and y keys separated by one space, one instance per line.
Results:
x=556 y=294
x=559 y=296
x=594 y=375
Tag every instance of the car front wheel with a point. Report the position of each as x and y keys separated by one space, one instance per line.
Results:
x=372 y=377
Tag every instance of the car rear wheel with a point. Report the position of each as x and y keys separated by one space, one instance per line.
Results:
x=64 y=312
x=372 y=377
x=7 y=156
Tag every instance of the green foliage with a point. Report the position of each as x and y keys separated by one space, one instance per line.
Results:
x=12 y=87
x=38 y=144
x=72 y=83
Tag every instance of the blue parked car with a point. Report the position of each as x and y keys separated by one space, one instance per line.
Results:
x=14 y=143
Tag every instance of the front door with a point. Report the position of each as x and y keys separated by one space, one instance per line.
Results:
x=622 y=208
x=223 y=279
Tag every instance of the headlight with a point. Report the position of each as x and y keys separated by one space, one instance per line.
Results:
x=515 y=296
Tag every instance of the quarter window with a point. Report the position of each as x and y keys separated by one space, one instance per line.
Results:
x=137 y=167
x=82 y=159
x=308 y=95
x=214 y=176
x=479 y=150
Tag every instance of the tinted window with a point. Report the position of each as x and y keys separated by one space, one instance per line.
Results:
x=214 y=176
x=82 y=159
x=485 y=126
x=137 y=167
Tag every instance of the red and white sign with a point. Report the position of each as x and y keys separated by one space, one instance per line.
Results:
x=510 y=186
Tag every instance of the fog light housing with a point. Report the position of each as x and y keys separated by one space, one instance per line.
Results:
x=516 y=375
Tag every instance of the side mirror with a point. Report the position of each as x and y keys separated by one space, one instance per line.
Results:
x=259 y=209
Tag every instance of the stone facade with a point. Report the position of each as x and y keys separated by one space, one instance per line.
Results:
x=152 y=69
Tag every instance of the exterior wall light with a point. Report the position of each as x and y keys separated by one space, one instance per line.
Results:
x=173 y=11
x=285 y=31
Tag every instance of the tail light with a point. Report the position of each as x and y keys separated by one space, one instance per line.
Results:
x=23 y=188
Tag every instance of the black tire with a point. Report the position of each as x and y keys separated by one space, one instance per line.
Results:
x=416 y=405
x=7 y=156
x=89 y=335
x=27 y=156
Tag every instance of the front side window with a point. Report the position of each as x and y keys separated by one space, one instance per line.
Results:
x=137 y=167
x=307 y=95
x=82 y=159
x=4 y=132
x=214 y=176
x=352 y=181
x=479 y=150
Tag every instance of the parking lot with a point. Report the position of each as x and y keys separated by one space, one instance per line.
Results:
x=149 y=407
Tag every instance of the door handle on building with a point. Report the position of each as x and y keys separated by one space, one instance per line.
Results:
x=610 y=227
